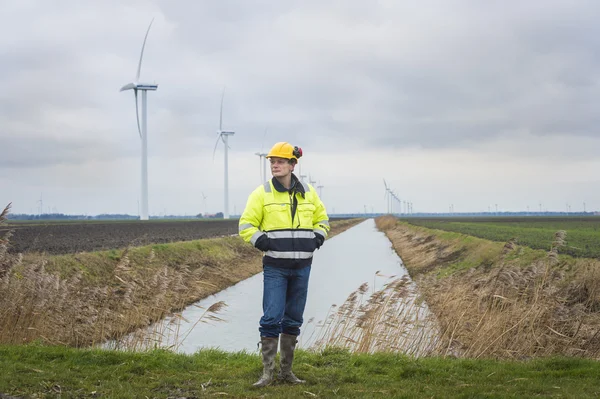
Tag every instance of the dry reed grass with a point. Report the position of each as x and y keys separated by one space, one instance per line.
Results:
x=166 y=333
x=392 y=319
x=108 y=299
x=90 y=298
x=548 y=306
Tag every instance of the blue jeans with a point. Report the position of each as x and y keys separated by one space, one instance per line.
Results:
x=284 y=298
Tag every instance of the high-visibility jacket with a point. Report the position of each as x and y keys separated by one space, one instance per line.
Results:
x=289 y=218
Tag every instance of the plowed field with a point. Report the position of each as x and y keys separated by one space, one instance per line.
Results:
x=62 y=238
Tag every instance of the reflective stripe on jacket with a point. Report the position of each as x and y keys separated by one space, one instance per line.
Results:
x=292 y=239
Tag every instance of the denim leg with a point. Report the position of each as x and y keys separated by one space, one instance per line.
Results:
x=295 y=301
x=275 y=285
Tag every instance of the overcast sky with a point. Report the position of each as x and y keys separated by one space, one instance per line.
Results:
x=470 y=103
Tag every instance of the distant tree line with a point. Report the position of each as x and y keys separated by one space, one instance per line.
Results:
x=104 y=216
x=62 y=216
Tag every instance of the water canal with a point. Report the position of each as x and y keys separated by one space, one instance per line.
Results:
x=360 y=255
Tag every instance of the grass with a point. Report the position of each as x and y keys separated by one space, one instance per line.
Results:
x=583 y=234
x=49 y=372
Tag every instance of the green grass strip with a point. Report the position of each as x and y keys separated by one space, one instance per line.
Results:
x=49 y=372
x=583 y=236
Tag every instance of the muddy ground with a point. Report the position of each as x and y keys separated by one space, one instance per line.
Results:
x=63 y=238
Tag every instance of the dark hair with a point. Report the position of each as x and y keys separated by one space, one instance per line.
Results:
x=293 y=161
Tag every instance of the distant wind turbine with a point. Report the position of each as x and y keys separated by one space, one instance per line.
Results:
x=143 y=129
x=320 y=188
x=223 y=136
x=204 y=201
x=387 y=196
x=311 y=181
x=41 y=202
x=262 y=160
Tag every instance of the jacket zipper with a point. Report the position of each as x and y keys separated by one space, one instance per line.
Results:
x=292 y=215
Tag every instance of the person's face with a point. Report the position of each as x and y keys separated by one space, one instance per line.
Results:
x=280 y=167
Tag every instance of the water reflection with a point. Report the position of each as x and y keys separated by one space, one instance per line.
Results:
x=358 y=265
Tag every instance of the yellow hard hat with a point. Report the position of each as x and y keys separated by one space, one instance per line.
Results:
x=285 y=150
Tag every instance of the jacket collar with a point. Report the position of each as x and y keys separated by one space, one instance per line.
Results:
x=297 y=186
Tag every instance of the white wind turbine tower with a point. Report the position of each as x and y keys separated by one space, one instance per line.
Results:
x=387 y=196
x=262 y=160
x=223 y=136
x=320 y=188
x=204 y=201
x=311 y=181
x=143 y=129
x=394 y=197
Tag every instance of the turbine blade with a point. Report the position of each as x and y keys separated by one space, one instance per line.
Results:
x=137 y=113
x=128 y=86
x=216 y=144
x=221 y=114
x=137 y=76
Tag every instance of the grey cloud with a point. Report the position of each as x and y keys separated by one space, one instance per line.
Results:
x=40 y=151
x=380 y=74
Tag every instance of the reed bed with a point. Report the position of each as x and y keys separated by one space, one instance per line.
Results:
x=512 y=302
x=392 y=319
x=90 y=298
x=93 y=302
x=166 y=333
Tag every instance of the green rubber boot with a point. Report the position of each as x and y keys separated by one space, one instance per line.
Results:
x=288 y=345
x=269 y=351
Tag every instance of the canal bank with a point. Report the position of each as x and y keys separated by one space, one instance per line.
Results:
x=355 y=276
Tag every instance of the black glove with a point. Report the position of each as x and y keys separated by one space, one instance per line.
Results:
x=319 y=239
x=263 y=243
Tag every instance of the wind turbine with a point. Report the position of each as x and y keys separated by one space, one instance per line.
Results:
x=41 y=201
x=393 y=197
x=262 y=160
x=301 y=176
x=320 y=187
x=311 y=181
x=387 y=196
x=204 y=200
x=143 y=129
x=224 y=136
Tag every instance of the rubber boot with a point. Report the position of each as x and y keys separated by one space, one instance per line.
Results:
x=269 y=351
x=288 y=345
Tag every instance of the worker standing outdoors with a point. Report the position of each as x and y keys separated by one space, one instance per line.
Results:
x=285 y=219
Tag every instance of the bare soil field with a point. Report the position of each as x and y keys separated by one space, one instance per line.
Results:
x=57 y=238
x=63 y=238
